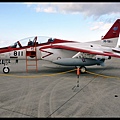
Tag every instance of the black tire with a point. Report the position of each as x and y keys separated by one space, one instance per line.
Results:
x=6 y=70
x=83 y=69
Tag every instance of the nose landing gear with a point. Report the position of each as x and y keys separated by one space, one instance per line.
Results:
x=6 y=69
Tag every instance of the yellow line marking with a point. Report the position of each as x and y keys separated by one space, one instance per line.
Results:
x=102 y=75
x=43 y=75
x=35 y=76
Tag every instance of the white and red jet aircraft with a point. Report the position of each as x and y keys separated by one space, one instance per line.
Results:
x=65 y=52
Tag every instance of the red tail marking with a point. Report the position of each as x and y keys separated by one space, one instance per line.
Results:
x=113 y=31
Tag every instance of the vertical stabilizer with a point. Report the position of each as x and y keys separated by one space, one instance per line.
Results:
x=111 y=37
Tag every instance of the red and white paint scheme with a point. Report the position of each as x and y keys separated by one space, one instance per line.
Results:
x=65 y=52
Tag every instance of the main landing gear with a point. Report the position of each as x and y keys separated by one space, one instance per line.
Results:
x=82 y=69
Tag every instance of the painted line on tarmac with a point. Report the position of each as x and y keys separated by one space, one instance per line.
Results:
x=35 y=76
x=101 y=75
x=45 y=75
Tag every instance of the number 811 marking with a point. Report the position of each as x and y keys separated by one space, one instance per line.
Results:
x=18 y=53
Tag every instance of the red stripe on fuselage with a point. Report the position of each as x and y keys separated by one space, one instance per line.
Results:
x=80 y=50
x=9 y=48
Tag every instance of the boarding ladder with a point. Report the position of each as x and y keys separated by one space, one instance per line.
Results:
x=31 y=57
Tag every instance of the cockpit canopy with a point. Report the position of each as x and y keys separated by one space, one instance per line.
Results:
x=31 y=40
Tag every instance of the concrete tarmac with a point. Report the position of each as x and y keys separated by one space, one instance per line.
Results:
x=57 y=92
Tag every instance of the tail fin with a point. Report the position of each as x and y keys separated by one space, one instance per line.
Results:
x=111 y=37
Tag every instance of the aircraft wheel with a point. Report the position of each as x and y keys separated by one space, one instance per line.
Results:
x=83 y=69
x=6 y=69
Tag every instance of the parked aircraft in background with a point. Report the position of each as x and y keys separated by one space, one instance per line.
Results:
x=64 y=52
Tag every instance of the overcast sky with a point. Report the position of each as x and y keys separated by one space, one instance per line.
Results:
x=76 y=21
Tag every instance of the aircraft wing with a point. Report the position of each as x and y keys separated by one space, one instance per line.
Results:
x=78 y=48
